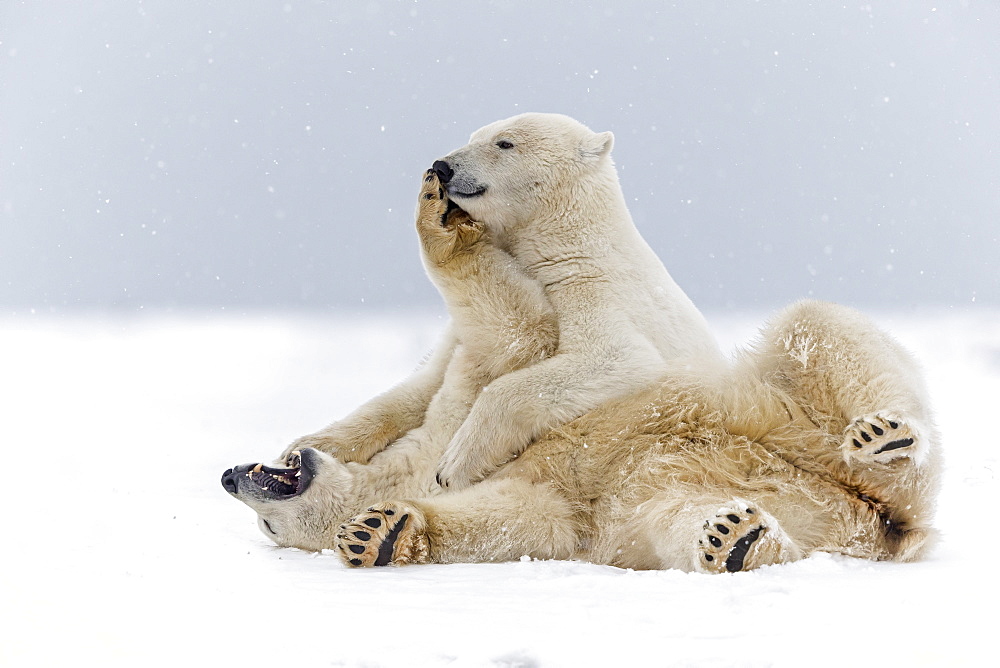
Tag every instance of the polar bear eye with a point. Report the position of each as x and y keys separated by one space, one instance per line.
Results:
x=503 y=143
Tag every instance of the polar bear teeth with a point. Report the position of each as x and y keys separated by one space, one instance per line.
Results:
x=282 y=482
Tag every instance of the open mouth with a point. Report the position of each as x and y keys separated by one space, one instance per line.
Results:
x=278 y=482
x=268 y=481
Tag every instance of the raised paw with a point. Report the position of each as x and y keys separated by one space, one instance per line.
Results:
x=445 y=230
x=432 y=207
x=385 y=534
x=879 y=437
x=740 y=538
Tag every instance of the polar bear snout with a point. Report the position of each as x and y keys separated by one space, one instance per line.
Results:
x=456 y=178
x=443 y=171
x=263 y=482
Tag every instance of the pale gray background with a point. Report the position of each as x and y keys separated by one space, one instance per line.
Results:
x=241 y=155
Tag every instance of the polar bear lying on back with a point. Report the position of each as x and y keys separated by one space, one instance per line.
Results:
x=819 y=439
x=546 y=190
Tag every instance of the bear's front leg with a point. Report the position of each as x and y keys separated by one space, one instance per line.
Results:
x=515 y=409
x=447 y=233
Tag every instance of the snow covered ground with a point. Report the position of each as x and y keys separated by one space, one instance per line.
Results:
x=120 y=545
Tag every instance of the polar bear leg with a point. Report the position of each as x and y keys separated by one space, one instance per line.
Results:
x=387 y=533
x=522 y=405
x=713 y=533
x=501 y=316
x=497 y=520
x=739 y=536
x=881 y=437
x=869 y=391
x=837 y=363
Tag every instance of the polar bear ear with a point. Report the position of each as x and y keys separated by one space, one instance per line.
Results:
x=597 y=145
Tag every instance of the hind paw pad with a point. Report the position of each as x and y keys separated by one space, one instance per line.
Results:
x=388 y=533
x=741 y=538
x=878 y=437
x=728 y=537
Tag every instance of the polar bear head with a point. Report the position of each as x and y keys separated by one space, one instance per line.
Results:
x=298 y=504
x=520 y=169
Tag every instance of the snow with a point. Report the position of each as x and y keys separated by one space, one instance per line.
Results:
x=121 y=546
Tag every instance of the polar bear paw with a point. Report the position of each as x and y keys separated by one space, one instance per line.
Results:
x=740 y=538
x=880 y=438
x=387 y=533
x=445 y=230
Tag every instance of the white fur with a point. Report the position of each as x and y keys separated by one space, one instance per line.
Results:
x=553 y=207
x=644 y=481
x=641 y=481
x=553 y=201
x=819 y=437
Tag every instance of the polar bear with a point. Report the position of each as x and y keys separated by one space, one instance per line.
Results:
x=545 y=188
x=819 y=438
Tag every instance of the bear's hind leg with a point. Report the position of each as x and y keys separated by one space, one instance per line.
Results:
x=834 y=361
x=855 y=381
x=741 y=537
x=712 y=533
x=387 y=533
x=881 y=437
x=867 y=392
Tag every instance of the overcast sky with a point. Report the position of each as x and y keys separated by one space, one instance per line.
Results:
x=237 y=155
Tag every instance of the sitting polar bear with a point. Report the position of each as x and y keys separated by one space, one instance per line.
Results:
x=818 y=439
x=545 y=188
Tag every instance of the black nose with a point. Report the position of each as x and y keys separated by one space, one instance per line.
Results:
x=443 y=170
x=229 y=480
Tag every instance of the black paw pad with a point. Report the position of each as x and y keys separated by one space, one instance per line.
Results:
x=387 y=546
x=895 y=445
x=356 y=549
x=734 y=562
x=362 y=535
x=373 y=522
